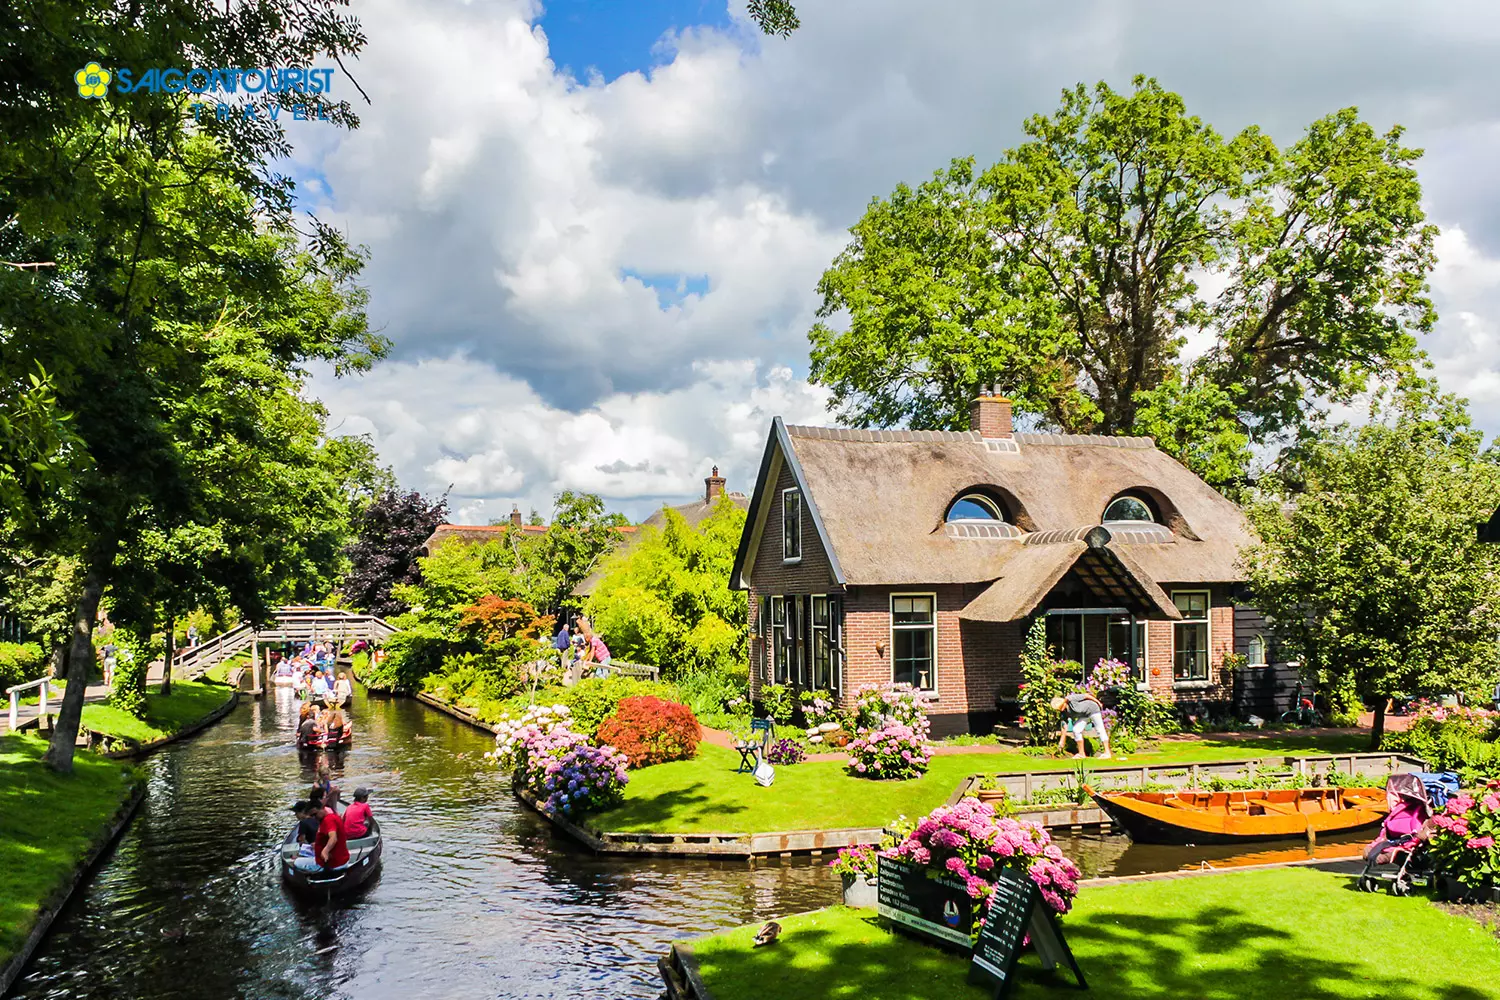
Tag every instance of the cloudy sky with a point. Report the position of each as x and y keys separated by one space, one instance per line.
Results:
x=596 y=226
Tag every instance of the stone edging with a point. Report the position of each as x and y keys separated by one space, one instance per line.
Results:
x=47 y=913
x=680 y=974
x=453 y=710
x=145 y=749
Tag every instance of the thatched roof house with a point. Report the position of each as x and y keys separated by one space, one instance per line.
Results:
x=923 y=556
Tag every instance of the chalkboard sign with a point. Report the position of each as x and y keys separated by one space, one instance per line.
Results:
x=1016 y=910
x=937 y=907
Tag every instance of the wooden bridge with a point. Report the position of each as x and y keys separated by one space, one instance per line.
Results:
x=294 y=623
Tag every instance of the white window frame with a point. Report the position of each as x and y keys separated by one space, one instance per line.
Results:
x=1143 y=650
x=1250 y=645
x=891 y=608
x=785 y=557
x=1208 y=637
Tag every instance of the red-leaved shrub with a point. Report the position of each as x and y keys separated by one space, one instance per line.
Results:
x=650 y=730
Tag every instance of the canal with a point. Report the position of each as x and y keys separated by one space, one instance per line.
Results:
x=477 y=896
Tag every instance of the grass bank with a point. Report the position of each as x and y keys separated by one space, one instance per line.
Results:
x=703 y=795
x=189 y=702
x=1265 y=935
x=47 y=824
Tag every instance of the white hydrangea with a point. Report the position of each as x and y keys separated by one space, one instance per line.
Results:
x=511 y=733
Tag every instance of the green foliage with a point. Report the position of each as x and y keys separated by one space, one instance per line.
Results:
x=20 y=662
x=720 y=700
x=420 y=649
x=665 y=600
x=595 y=699
x=1369 y=566
x=132 y=658
x=1041 y=681
x=1457 y=739
x=477 y=682
x=779 y=702
x=581 y=534
x=1067 y=274
x=774 y=17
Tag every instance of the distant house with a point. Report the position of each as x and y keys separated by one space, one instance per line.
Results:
x=693 y=513
x=878 y=556
x=481 y=532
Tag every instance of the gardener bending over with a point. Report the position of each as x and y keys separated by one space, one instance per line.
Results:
x=1079 y=711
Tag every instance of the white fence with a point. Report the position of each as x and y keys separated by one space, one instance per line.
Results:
x=299 y=623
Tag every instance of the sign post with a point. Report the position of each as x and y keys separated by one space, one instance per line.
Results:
x=938 y=908
x=1016 y=910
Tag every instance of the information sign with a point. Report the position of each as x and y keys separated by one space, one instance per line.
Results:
x=1016 y=910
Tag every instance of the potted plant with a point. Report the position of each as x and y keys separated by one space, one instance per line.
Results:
x=856 y=867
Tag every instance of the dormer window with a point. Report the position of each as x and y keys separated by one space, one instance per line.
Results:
x=974 y=507
x=1128 y=508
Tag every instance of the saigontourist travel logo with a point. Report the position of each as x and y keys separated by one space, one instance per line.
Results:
x=94 y=81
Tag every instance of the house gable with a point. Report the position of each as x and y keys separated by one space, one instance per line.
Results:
x=760 y=543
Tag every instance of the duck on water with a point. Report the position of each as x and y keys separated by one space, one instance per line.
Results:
x=326 y=852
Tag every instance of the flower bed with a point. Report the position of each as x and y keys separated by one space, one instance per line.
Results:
x=894 y=750
x=786 y=752
x=563 y=769
x=1453 y=738
x=1464 y=843
x=968 y=841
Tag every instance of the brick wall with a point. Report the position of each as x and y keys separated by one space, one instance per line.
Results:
x=770 y=575
x=1159 y=650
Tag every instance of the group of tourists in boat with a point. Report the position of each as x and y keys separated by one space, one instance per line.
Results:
x=331 y=848
x=326 y=694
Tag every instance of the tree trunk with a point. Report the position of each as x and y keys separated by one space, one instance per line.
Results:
x=79 y=659
x=1377 y=731
x=171 y=649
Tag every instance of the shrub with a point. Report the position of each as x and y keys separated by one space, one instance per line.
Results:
x=132 y=657
x=476 y=680
x=583 y=778
x=1465 y=841
x=778 y=702
x=786 y=752
x=966 y=840
x=819 y=707
x=717 y=698
x=20 y=662
x=1452 y=739
x=876 y=705
x=418 y=650
x=892 y=751
x=1040 y=683
x=595 y=699
x=651 y=730
x=513 y=732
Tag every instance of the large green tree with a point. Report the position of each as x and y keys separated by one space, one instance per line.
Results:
x=1369 y=564
x=1073 y=274
x=181 y=304
x=666 y=599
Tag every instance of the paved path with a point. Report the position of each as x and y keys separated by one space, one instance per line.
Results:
x=95 y=692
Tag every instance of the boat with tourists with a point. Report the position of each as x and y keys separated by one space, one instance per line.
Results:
x=364 y=860
x=340 y=739
x=1203 y=817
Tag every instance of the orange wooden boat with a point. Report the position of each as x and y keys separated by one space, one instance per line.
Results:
x=1193 y=817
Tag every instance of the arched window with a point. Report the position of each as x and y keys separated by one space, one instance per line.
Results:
x=1127 y=508
x=1255 y=654
x=974 y=507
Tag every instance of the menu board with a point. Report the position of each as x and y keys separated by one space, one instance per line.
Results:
x=1016 y=910
x=937 y=906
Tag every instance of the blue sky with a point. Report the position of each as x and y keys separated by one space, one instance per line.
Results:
x=617 y=36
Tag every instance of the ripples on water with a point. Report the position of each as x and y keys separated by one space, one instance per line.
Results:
x=476 y=897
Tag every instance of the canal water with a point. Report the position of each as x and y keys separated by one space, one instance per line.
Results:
x=477 y=896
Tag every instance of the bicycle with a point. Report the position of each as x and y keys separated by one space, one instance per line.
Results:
x=1303 y=712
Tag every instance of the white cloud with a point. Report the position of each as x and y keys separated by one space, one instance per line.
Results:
x=607 y=285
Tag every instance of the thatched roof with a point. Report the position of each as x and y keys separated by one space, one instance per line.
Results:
x=878 y=500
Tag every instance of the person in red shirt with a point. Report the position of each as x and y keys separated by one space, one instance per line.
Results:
x=329 y=849
x=357 y=817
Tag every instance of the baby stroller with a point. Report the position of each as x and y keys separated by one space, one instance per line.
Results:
x=1399 y=856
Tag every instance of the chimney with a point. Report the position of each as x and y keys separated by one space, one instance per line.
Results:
x=989 y=414
x=713 y=486
x=515 y=516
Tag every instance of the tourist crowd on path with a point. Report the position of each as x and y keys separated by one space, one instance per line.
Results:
x=577 y=646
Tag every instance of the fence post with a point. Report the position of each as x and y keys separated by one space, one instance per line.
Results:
x=15 y=709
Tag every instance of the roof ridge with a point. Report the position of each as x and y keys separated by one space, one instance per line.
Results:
x=906 y=435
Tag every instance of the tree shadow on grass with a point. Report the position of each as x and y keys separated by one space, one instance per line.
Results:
x=670 y=812
x=1214 y=955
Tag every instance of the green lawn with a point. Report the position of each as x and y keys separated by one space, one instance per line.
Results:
x=1265 y=935
x=704 y=795
x=188 y=702
x=47 y=822
x=220 y=671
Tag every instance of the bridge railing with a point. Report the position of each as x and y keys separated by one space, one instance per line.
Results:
x=15 y=699
x=297 y=623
